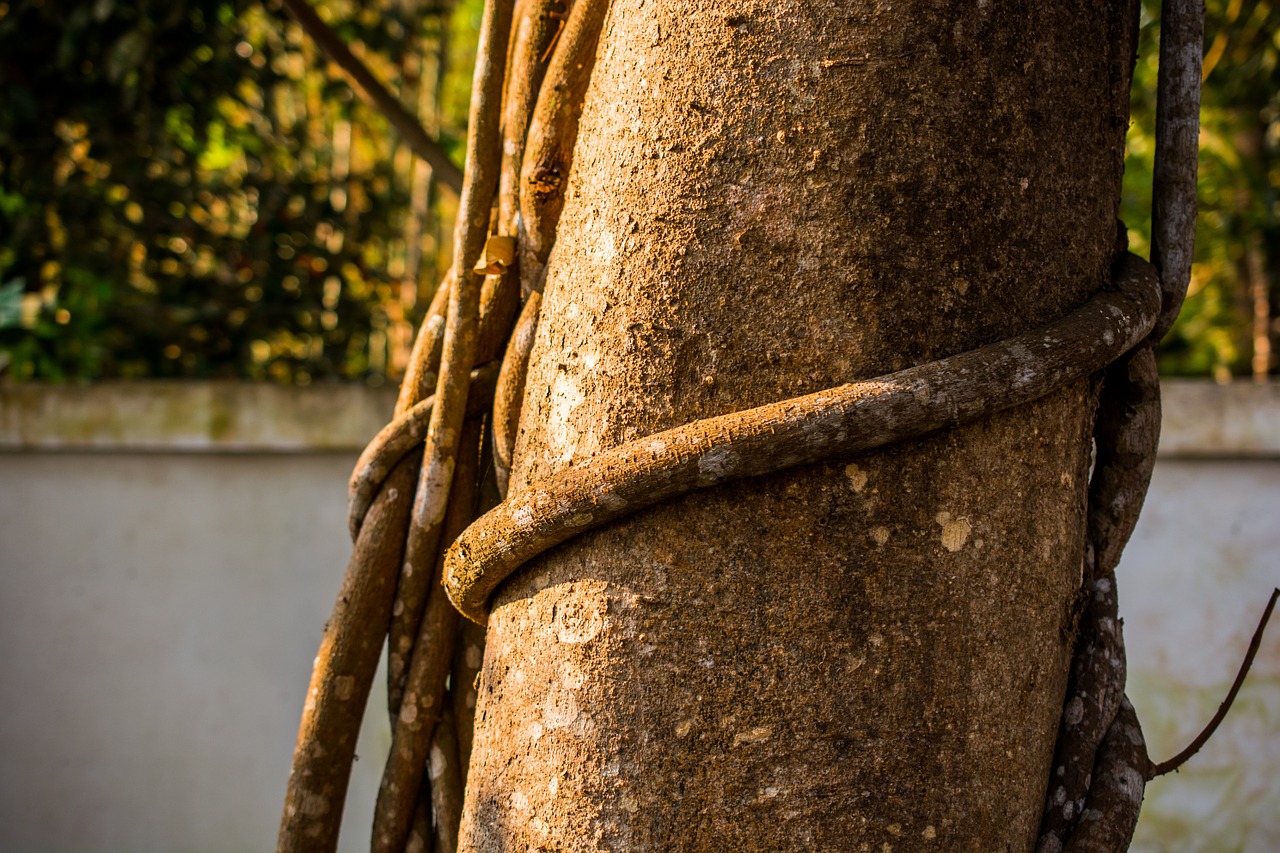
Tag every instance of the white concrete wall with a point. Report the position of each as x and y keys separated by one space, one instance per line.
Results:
x=159 y=612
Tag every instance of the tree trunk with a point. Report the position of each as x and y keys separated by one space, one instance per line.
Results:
x=768 y=199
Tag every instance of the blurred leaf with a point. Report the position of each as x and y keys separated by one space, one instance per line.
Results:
x=11 y=303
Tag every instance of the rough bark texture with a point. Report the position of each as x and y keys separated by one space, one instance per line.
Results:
x=767 y=200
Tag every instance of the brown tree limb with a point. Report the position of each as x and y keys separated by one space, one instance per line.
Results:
x=1192 y=748
x=468 y=657
x=839 y=421
x=446 y=781
x=421 y=834
x=376 y=94
x=460 y=338
x=401 y=436
x=553 y=130
x=343 y=674
x=535 y=26
x=1126 y=436
x=1173 y=193
x=423 y=689
x=423 y=371
x=533 y=29
x=1094 y=694
x=508 y=396
x=1115 y=798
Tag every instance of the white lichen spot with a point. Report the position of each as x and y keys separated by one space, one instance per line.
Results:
x=314 y=805
x=657 y=447
x=684 y=728
x=894 y=829
x=439 y=476
x=857 y=477
x=435 y=764
x=876 y=640
x=533 y=731
x=561 y=435
x=629 y=804
x=1074 y=711
x=955 y=531
x=759 y=734
x=929 y=833
x=473 y=656
x=408 y=712
x=344 y=686
x=880 y=535
x=519 y=802
x=522 y=516
x=541 y=580
x=1131 y=784
x=405 y=644
x=716 y=464
x=553 y=785
x=770 y=792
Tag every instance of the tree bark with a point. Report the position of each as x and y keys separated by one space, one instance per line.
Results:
x=767 y=200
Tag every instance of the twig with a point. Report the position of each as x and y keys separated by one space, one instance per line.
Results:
x=839 y=421
x=508 y=396
x=484 y=142
x=446 y=782
x=376 y=94
x=1126 y=435
x=423 y=689
x=1173 y=192
x=532 y=33
x=421 y=833
x=343 y=673
x=467 y=659
x=1094 y=696
x=401 y=436
x=553 y=130
x=1195 y=745
x=424 y=361
x=1115 y=798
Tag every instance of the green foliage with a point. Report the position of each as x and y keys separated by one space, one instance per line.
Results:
x=187 y=190
x=1237 y=256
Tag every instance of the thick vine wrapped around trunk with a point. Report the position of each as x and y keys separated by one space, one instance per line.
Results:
x=769 y=200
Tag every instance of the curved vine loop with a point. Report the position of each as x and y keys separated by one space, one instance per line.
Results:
x=836 y=422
